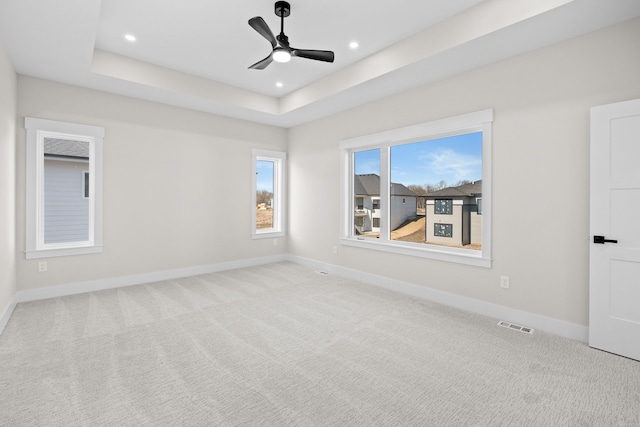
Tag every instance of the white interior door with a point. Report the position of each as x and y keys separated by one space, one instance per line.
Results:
x=614 y=288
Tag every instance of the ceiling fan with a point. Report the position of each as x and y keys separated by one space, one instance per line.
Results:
x=282 y=52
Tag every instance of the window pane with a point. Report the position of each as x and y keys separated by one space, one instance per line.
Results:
x=443 y=206
x=366 y=188
x=433 y=182
x=65 y=208
x=264 y=194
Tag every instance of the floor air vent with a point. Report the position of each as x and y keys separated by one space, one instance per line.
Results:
x=516 y=327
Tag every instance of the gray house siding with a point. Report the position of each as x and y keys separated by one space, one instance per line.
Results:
x=66 y=210
x=367 y=188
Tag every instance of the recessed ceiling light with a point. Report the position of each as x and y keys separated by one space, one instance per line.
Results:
x=353 y=45
x=130 y=37
x=279 y=84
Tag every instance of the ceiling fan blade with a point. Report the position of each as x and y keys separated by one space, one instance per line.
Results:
x=258 y=24
x=262 y=64
x=318 y=55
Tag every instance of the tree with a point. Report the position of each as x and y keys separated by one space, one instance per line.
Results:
x=420 y=191
x=263 y=196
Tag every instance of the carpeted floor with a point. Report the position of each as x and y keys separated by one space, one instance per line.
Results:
x=281 y=345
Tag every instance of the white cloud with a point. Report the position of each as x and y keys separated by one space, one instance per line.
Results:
x=452 y=166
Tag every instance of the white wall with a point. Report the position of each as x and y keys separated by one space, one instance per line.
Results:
x=177 y=185
x=541 y=102
x=8 y=89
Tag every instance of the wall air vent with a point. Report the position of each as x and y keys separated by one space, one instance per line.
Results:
x=515 y=327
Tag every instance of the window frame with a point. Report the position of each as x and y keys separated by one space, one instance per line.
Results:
x=479 y=121
x=37 y=130
x=279 y=197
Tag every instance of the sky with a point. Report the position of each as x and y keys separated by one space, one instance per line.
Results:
x=264 y=175
x=451 y=159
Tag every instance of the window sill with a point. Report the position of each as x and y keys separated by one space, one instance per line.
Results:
x=50 y=253
x=267 y=234
x=459 y=256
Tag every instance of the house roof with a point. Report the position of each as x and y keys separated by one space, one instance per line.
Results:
x=369 y=184
x=66 y=148
x=473 y=189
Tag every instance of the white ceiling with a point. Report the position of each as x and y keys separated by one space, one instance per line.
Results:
x=195 y=53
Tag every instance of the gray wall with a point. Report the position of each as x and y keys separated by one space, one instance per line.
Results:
x=8 y=97
x=177 y=185
x=541 y=103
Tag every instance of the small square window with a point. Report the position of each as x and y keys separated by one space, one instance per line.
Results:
x=443 y=230
x=376 y=222
x=85 y=184
x=376 y=203
x=443 y=206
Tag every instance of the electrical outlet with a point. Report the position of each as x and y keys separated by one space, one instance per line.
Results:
x=335 y=250
x=42 y=266
x=504 y=282
x=275 y=242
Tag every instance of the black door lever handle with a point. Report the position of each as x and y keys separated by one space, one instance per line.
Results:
x=601 y=239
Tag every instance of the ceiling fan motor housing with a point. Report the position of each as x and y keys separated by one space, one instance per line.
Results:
x=282 y=9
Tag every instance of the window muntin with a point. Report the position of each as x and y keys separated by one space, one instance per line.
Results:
x=390 y=145
x=64 y=188
x=268 y=198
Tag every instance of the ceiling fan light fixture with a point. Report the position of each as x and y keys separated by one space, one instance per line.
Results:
x=281 y=49
x=281 y=55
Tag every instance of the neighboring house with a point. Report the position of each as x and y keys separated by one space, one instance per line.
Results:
x=367 y=204
x=66 y=191
x=454 y=215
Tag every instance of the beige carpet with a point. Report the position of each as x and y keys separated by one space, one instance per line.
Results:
x=281 y=345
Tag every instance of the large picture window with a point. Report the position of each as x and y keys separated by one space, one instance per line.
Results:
x=64 y=188
x=421 y=175
x=267 y=219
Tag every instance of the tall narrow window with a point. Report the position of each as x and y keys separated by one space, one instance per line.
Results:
x=64 y=188
x=433 y=181
x=268 y=193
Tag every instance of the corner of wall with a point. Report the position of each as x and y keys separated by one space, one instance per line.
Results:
x=8 y=251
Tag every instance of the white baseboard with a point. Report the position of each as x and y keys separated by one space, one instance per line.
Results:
x=499 y=312
x=6 y=314
x=118 y=282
